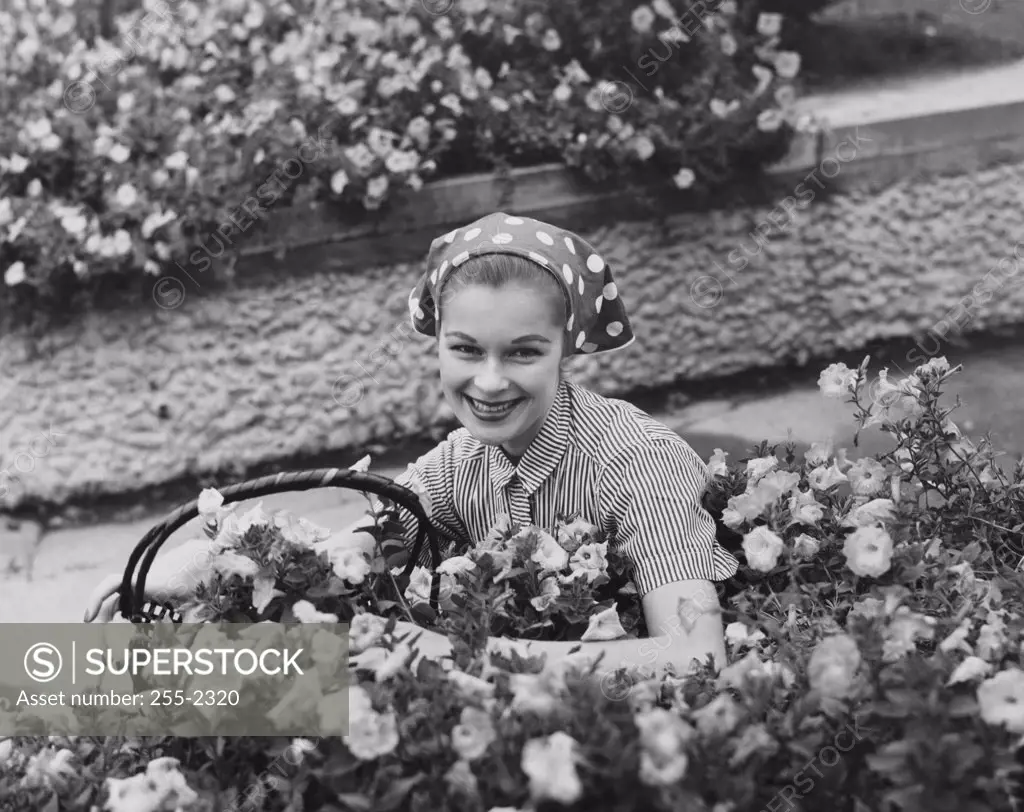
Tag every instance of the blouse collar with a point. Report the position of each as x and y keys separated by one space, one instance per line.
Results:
x=543 y=454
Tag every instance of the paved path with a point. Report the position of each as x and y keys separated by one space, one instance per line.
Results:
x=66 y=564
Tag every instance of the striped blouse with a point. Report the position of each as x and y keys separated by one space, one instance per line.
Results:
x=602 y=459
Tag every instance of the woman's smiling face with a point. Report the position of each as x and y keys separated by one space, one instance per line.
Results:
x=500 y=351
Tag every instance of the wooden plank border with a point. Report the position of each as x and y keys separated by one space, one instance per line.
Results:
x=936 y=135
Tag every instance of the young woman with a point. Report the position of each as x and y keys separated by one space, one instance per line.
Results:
x=508 y=300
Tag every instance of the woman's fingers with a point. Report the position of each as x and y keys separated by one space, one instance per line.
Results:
x=109 y=609
x=108 y=587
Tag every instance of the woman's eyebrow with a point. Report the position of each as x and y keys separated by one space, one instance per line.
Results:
x=520 y=340
x=532 y=337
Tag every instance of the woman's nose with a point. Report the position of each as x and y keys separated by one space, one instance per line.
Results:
x=490 y=378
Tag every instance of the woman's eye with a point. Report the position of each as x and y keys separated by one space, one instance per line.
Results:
x=463 y=348
x=527 y=353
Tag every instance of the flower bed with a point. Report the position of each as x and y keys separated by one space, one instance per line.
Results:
x=160 y=149
x=875 y=635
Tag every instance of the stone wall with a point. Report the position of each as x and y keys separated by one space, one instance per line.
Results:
x=325 y=361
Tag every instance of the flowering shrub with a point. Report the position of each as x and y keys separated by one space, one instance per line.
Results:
x=875 y=659
x=159 y=150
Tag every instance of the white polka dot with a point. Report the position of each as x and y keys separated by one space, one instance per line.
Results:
x=420 y=314
x=610 y=291
x=472 y=234
x=545 y=238
x=459 y=259
x=615 y=328
x=413 y=302
x=567 y=273
x=442 y=269
x=598 y=303
x=572 y=318
x=581 y=286
x=595 y=263
x=513 y=221
x=537 y=258
x=450 y=236
x=580 y=339
x=433 y=277
x=570 y=245
x=502 y=239
x=588 y=347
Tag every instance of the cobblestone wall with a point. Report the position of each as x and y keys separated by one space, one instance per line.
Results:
x=327 y=362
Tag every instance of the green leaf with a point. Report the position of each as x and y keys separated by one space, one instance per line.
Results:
x=396 y=794
x=971 y=552
x=961 y=706
x=890 y=711
x=906 y=697
x=423 y=613
x=354 y=801
x=907 y=798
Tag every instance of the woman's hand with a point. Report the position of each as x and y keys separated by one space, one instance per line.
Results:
x=174 y=576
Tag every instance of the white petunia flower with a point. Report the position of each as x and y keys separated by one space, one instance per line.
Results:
x=230 y=563
x=760 y=466
x=836 y=380
x=822 y=478
x=875 y=512
x=15 y=274
x=762 y=548
x=869 y=551
x=971 y=669
x=307 y=613
x=550 y=764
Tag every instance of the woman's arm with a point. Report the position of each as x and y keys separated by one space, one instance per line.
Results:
x=685 y=624
x=684 y=618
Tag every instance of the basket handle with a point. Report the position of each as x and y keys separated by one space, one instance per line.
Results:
x=131 y=605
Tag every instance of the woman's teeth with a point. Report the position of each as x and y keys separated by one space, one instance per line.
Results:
x=492 y=410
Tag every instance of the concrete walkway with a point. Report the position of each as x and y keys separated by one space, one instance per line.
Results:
x=49 y=579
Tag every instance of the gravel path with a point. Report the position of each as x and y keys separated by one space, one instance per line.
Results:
x=66 y=564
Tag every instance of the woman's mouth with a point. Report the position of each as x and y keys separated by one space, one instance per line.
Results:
x=492 y=412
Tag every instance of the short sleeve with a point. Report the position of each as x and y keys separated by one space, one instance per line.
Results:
x=432 y=475
x=652 y=495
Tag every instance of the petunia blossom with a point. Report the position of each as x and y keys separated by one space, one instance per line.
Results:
x=550 y=764
x=762 y=548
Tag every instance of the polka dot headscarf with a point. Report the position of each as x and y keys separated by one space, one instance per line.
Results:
x=597 y=319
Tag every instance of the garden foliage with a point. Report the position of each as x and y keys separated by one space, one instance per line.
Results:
x=875 y=646
x=167 y=147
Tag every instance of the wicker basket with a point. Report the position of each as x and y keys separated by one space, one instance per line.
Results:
x=133 y=606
